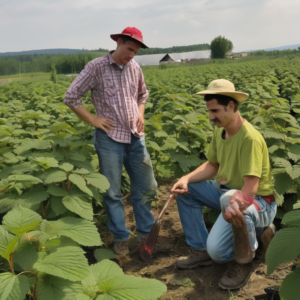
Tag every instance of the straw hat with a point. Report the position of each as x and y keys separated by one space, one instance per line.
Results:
x=224 y=87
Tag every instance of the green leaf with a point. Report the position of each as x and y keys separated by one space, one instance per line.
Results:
x=278 y=198
x=154 y=145
x=67 y=262
x=31 y=179
x=77 y=156
x=57 y=205
x=160 y=133
x=283 y=181
x=67 y=167
x=97 y=180
x=20 y=220
x=296 y=205
x=46 y=162
x=82 y=171
x=284 y=247
x=13 y=287
x=5 y=239
x=79 y=205
x=35 y=195
x=292 y=218
x=81 y=231
x=57 y=191
x=80 y=182
x=102 y=271
x=101 y=254
x=16 y=169
x=33 y=144
x=289 y=288
x=26 y=255
x=55 y=288
x=55 y=176
x=133 y=288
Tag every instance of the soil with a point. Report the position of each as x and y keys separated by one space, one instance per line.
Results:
x=200 y=283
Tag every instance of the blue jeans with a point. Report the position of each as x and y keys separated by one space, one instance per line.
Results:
x=136 y=159
x=219 y=242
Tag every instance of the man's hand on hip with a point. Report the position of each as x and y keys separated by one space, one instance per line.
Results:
x=103 y=123
x=140 y=123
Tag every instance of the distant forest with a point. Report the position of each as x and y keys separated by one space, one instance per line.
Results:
x=174 y=49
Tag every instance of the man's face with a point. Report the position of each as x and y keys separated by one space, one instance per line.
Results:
x=220 y=114
x=127 y=51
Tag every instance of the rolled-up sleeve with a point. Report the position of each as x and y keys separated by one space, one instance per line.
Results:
x=84 y=82
x=142 y=92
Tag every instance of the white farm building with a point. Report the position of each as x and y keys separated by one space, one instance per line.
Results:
x=156 y=59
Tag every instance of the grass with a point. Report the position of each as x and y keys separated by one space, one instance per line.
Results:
x=27 y=75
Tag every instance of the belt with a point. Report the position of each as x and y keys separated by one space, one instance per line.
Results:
x=269 y=199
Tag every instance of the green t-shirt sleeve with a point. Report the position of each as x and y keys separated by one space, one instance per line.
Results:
x=251 y=158
x=211 y=153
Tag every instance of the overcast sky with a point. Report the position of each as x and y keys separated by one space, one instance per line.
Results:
x=44 y=24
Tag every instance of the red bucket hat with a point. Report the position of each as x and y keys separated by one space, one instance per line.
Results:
x=131 y=32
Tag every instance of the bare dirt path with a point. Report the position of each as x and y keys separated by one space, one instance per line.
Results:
x=199 y=283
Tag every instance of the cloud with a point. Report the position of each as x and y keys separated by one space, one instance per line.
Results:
x=40 y=24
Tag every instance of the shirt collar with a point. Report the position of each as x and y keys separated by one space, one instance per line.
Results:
x=111 y=60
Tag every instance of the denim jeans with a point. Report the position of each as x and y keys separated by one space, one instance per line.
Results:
x=136 y=159
x=219 y=242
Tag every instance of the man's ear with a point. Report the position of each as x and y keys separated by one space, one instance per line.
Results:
x=119 y=42
x=231 y=105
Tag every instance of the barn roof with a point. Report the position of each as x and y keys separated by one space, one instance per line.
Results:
x=154 y=59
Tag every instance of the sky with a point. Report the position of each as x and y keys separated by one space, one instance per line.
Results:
x=77 y=24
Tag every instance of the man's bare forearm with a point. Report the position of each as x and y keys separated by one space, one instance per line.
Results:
x=142 y=108
x=205 y=172
x=83 y=114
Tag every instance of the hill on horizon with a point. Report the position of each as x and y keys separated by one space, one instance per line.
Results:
x=289 y=47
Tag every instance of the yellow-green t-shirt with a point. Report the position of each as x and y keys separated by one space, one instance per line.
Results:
x=246 y=153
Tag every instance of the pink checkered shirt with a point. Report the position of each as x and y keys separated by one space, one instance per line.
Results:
x=116 y=94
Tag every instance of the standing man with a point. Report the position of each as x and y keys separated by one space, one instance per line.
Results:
x=238 y=157
x=119 y=95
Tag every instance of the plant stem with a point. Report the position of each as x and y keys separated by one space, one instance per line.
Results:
x=11 y=256
x=44 y=211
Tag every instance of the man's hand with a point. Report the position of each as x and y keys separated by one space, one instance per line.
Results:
x=235 y=211
x=103 y=123
x=181 y=186
x=140 y=123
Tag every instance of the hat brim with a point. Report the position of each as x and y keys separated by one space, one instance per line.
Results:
x=238 y=96
x=115 y=37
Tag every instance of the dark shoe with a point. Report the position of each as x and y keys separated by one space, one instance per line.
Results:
x=121 y=248
x=236 y=276
x=195 y=259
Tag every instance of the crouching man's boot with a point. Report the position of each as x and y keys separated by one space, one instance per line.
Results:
x=240 y=270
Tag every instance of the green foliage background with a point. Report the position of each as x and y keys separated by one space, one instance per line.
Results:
x=51 y=190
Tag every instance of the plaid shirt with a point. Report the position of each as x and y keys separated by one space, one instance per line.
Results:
x=116 y=94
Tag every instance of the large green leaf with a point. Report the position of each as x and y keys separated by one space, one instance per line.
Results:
x=55 y=288
x=32 y=144
x=79 y=205
x=31 y=179
x=5 y=239
x=67 y=262
x=13 y=287
x=283 y=181
x=16 y=169
x=292 y=218
x=57 y=191
x=289 y=289
x=35 y=195
x=284 y=247
x=130 y=287
x=46 y=162
x=26 y=255
x=57 y=205
x=81 y=231
x=97 y=180
x=20 y=220
x=80 y=182
x=55 y=176
x=67 y=167
x=102 y=271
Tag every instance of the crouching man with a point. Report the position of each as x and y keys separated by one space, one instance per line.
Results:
x=238 y=157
